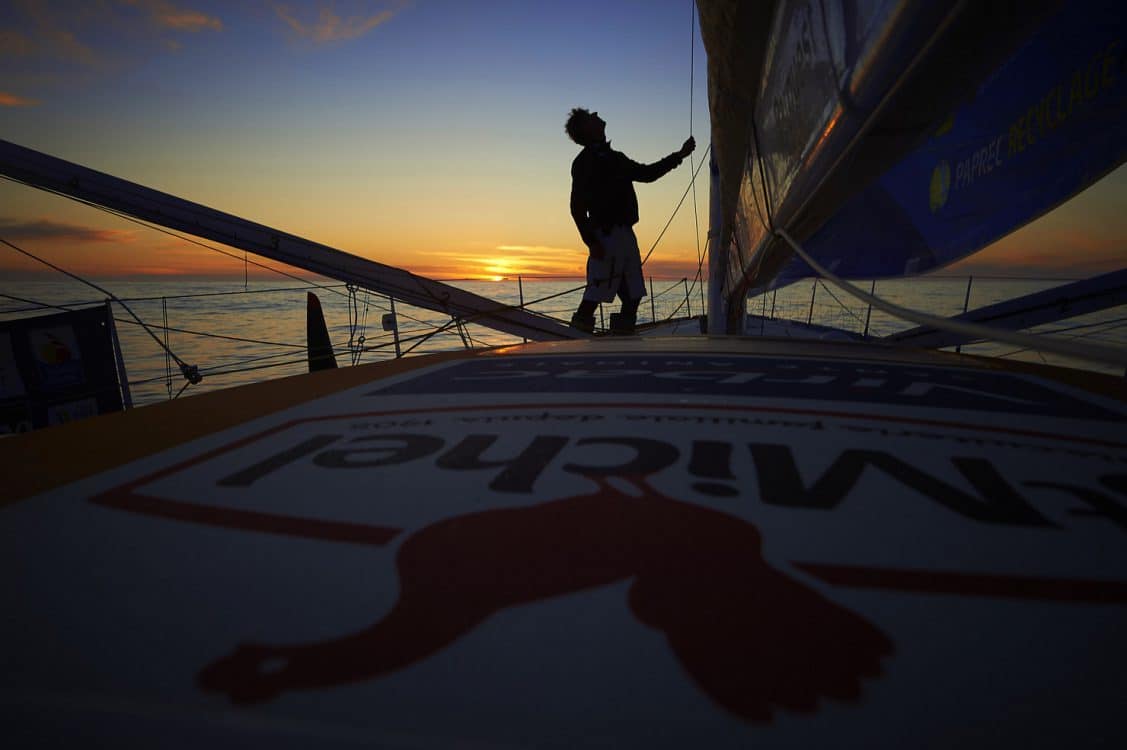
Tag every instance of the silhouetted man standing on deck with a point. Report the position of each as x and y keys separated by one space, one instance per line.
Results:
x=605 y=210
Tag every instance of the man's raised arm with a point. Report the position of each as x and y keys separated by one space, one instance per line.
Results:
x=651 y=172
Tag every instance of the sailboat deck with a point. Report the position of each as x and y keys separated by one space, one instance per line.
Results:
x=647 y=542
x=111 y=440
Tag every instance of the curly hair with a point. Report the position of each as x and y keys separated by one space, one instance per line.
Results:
x=574 y=126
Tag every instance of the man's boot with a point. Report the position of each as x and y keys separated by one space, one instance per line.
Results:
x=622 y=324
x=585 y=323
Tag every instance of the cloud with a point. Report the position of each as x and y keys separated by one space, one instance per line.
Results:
x=14 y=44
x=165 y=15
x=12 y=100
x=45 y=229
x=63 y=45
x=48 y=46
x=331 y=27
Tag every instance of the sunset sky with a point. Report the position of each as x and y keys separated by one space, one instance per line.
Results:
x=425 y=134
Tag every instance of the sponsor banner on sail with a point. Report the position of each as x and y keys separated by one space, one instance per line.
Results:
x=1043 y=127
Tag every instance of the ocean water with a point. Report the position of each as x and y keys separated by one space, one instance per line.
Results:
x=236 y=334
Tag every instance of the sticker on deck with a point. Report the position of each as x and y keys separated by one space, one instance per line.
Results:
x=695 y=507
x=760 y=377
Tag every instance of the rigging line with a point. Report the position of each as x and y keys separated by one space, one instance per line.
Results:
x=299 y=361
x=186 y=384
x=984 y=277
x=691 y=288
x=220 y=373
x=728 y=262
x=363 y=327
x=430 y=335
x=167 y=361
x=400 y=314
x=763 y=178
x=186 y=369
x=38 y=305
x=444 y=301
x=769 y=223
x=158 y=228
x=224 y=337
x=692 y=79
x=678 y=207
x=462 y=333
x=1114 y=324
x=437 y=330
x=1118 y=324
x=553 y=296
x=402 y=339
x=470 y=318
x=351 y=318
x=163 y=230
x=675 y=283
x=839 y=302
x=80 y=303
x=503 y=308
x=755 y=197
x=302 y=360
x=683 y=301
x=169 y=232
x=219 y=294
x=696 y=220
x=1093 y=352
x=69 y=306
x=699 y=277
x=218 y=368
x=1116 y=321
x=692 y=54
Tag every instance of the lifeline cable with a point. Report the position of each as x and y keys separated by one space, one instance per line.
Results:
x=169 y=232
x=1068 y=348
x=678 y=207
x=191 y=373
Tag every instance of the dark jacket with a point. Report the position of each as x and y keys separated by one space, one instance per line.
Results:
x=602 y=187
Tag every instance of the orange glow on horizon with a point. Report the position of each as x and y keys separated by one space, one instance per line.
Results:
x=174 y=259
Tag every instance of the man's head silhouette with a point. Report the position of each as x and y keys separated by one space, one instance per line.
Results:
x=585 y=128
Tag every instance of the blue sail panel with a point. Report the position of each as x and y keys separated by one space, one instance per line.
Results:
x=1047 y=124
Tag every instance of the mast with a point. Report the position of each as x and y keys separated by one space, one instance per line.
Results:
x=718 y=240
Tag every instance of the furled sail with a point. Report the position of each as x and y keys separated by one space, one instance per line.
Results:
x=894 y=138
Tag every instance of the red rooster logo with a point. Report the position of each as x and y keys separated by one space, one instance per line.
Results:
x=751 y=637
